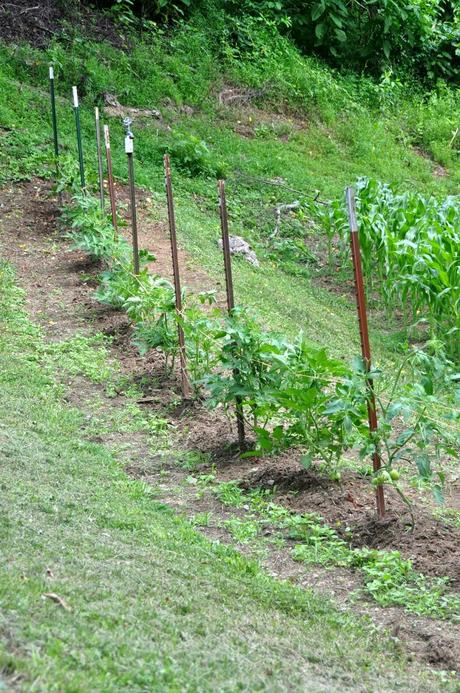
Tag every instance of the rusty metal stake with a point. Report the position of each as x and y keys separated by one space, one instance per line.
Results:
x=364 y=334
x=54 y=119
x=230 y=298
x=186 y=390
x=108 y=155
x=99 y=157
x=129 y=150
x=76 y=109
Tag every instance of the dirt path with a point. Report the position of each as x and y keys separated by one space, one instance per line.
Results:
x=59 y=284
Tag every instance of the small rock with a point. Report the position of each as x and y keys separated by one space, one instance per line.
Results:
x=238 y=246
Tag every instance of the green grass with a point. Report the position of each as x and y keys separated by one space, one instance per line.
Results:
x=152 y=604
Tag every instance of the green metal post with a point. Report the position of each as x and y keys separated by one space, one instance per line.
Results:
x=76 y=108
x=99 y=157
x=54 y=119
x=129 y=150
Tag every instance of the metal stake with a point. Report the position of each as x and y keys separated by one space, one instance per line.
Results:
x=99 y=157
x=129 y=150
x=54 y=118
x=76 y=108
x=177 y=287
x=364 y=335
x=230 y=298
x=108 y=156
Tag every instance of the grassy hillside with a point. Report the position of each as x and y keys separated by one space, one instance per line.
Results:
x=293 y=122
x=103 y=586
x=126 y=596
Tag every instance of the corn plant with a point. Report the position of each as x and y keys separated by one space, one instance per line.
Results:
x=409 y=249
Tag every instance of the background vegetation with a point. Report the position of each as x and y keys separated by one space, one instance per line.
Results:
x=421 y=36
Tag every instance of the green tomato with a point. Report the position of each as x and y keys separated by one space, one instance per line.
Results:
x=394 y=475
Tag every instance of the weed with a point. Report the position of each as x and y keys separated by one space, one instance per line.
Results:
x=81 y=355
x=191 y=460
x=388 y=578
x=229 y=493
x=449 y=516
x=243 y=531
x=201 y=519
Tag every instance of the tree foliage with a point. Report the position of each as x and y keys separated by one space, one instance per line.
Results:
x=421 y=36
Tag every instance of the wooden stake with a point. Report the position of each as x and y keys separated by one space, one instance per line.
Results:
x=186 y=391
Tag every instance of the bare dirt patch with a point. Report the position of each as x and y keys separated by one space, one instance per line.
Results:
x=39 y=22
x=438 y=170
x=249 y=121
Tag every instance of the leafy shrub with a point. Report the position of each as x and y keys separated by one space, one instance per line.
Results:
x=193 y=156
x=422 y=36
x=117 y=284
x=201 y=321
x=152 y=309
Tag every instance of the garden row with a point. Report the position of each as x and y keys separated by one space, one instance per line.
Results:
x=290 y=394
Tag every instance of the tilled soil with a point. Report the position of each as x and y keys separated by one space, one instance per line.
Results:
x=432 y=546
x=59 y=284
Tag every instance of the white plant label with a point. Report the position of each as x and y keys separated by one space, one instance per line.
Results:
x=51 y=72
x=106 y=137
x=75 y=97
x=129 y=145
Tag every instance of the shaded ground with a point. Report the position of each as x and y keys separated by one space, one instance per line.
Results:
x=38 y=22
x=59 y=284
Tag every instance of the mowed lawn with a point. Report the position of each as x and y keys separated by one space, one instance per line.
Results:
x=102 y=588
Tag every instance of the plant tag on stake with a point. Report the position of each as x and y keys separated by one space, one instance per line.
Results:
x=75 y=97
x=129 y=144
x=129 y=139
x=51 y=72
